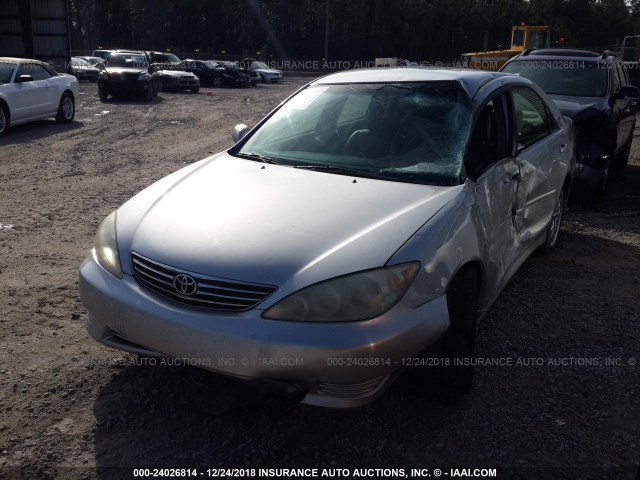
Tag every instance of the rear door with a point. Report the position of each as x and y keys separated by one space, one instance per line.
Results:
x=542 y=151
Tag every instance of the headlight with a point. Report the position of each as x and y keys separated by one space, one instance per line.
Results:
x=144 y=76
x=358 y=296
x=106 y=246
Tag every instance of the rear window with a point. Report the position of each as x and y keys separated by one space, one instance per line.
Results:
x=576 y=78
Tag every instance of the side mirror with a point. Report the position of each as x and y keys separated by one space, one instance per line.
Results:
x=25 y=78
x=239 y=131
x=627 y=92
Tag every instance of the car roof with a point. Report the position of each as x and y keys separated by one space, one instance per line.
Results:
x=21 y=61
x=570 y=53
x=471 y=80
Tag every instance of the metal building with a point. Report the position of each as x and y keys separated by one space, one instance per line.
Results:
x=36 y=29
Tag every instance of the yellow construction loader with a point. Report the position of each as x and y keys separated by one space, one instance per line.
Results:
x=522 y=38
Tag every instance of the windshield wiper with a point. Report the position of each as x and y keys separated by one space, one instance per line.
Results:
x=343 y=171
x=256 y=156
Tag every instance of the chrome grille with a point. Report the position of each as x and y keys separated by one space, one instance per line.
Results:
x=211 y=293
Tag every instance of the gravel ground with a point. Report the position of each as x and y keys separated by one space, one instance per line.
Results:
x=71 y=408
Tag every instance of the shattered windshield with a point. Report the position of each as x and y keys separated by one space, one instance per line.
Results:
x=411 y=132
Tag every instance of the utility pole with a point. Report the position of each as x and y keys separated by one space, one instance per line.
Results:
x=326 y=31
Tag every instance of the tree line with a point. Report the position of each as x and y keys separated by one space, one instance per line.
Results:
x=425 y=30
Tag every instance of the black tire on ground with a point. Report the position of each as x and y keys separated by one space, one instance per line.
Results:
x=262 y=78
x=154 y=88
x=66 y=109
x=453 y=371
x=149 y=95
x=217 y=82
x=4 y=119
x=103 y=93
x=554 y=227
x=195 y=89
x=604 y=180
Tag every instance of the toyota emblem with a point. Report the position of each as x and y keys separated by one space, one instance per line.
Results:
x=184 y=284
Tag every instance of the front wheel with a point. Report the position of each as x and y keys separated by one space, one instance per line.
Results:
x=455 y=350
x=4 y=119
x=149 y=93
x=217 y=82
x=554 y=227
x=103 y=93
x=195 y=89
x=154 y=88
x=66 y=109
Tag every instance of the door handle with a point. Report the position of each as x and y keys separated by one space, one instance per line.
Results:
x=562 y=147
x=512 y=177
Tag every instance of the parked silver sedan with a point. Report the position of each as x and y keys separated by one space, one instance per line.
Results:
x=362 y=226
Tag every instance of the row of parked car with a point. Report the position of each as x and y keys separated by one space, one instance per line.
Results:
x=147 y=73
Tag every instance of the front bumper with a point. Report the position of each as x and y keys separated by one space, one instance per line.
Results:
x=591 y=160
x=339 y=364
x=173 y=82
x=272 y=77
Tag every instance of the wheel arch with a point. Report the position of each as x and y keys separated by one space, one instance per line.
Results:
x=7 y=112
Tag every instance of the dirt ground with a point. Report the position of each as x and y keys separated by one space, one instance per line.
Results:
x=72 y=408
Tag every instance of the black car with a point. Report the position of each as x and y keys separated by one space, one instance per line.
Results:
x=217 y=73
x=83 y=69
x=128 y=73
x=167 y=61
x=593 y=89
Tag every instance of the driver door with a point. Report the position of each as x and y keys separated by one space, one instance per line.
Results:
x=496 y=175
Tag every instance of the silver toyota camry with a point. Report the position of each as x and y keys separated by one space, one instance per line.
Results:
x=362 y=227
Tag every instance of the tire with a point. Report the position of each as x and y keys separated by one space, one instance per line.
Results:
x=154 y=88
x=262 y=78
x=217 y=82
x=4 y=119
x=604 y=181
x=103 y=93
x=452 y=376
x=149 y=95
x=160 y=85
x=194 y=89
x=66 y=109
x=554 y=227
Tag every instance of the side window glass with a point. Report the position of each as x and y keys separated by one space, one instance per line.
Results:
x=624 y=78
x=36 y=71
x=488 y=141
x=22 y=70
x=616 y=80
x=531 y=118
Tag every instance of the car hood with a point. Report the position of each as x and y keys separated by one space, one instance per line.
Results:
x=255 y=222
x=118 y=70
x=578 y=108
